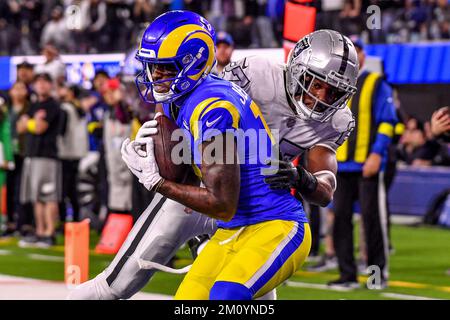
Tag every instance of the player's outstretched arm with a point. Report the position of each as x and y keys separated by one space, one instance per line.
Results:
x=316 y=182
x=219 y=198
x=321 y=162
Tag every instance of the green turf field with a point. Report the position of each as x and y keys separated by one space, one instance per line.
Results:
x=417 y=269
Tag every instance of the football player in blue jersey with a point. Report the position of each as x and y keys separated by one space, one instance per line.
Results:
x=263 y=234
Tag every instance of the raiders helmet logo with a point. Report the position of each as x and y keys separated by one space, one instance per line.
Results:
x=300 y=46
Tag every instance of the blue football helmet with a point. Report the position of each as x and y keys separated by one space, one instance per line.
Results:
x=179 y=45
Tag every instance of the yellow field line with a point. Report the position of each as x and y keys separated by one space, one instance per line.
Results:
x=392 y=283
x=404 y=284
x=5 y=241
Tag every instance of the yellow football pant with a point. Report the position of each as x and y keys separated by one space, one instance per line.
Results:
x=259 y=257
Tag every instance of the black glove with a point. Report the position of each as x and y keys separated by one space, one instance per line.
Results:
x=288 y=176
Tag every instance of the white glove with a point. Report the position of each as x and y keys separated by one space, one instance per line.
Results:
x=145 y=132
x=148 y=129
x=142 y=163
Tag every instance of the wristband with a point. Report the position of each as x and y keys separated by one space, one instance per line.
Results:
x=31 y=125
x=159 y=184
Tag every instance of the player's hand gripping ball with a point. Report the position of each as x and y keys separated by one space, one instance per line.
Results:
x=141 y=163
x=159 y=132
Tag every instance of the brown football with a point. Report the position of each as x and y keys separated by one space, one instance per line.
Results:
x=163 y=146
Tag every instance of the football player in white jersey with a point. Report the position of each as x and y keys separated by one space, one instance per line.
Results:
x=305 y=100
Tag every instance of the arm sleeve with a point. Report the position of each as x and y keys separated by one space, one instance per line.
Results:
x=386 y=119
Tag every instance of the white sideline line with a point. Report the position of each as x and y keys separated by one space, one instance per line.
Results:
x=315 y=286
x=384 y=294
x=43 y=257
x=35 y=256
x=19 y=288
x=405 y=296
x=4 y=252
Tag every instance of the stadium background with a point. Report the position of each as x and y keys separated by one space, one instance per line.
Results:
x=415 y=62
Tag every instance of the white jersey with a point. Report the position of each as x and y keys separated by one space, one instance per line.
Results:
x=264 y=81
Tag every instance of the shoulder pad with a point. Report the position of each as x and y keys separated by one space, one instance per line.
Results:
x=237 y=72
x=343 y=120
x=257 y=75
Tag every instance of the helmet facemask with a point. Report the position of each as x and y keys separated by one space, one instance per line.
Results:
x=153 y=90
x=300 y=86
x=176 y=83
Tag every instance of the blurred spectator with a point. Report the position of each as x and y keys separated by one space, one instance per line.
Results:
x=438 y=138
x=94 y=107
x=275 y=12
x=72 y=147
x=352 y=17
x=6 y=156
x=41 y=175
x=9 y=38
x=27 y=17
x=196 y=6
x=412 y=144
x=19 y=217
x=417 y=13
x=117 y=127
x=440 y=124
x=218 y=13
x=112 y=25
x=99 y=80
x=25 y=74
x=144 y=12
x=52 y=65
x=412 y=22
x=262 y=32
x=440 y=27
x=141 y=197
x=119 y=25
x=224 y=51
x=47 y=9
x=328 y=14
x=55 y=31
x=93 y=14
x=425 y=144
x=361 y=164
x=391 y=10
x=391 y=163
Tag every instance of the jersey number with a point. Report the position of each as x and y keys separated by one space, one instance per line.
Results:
x=235 y=73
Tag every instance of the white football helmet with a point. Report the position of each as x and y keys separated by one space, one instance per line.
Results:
x=328 y=56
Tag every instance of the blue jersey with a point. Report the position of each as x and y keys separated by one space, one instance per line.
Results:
x=217 y=106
